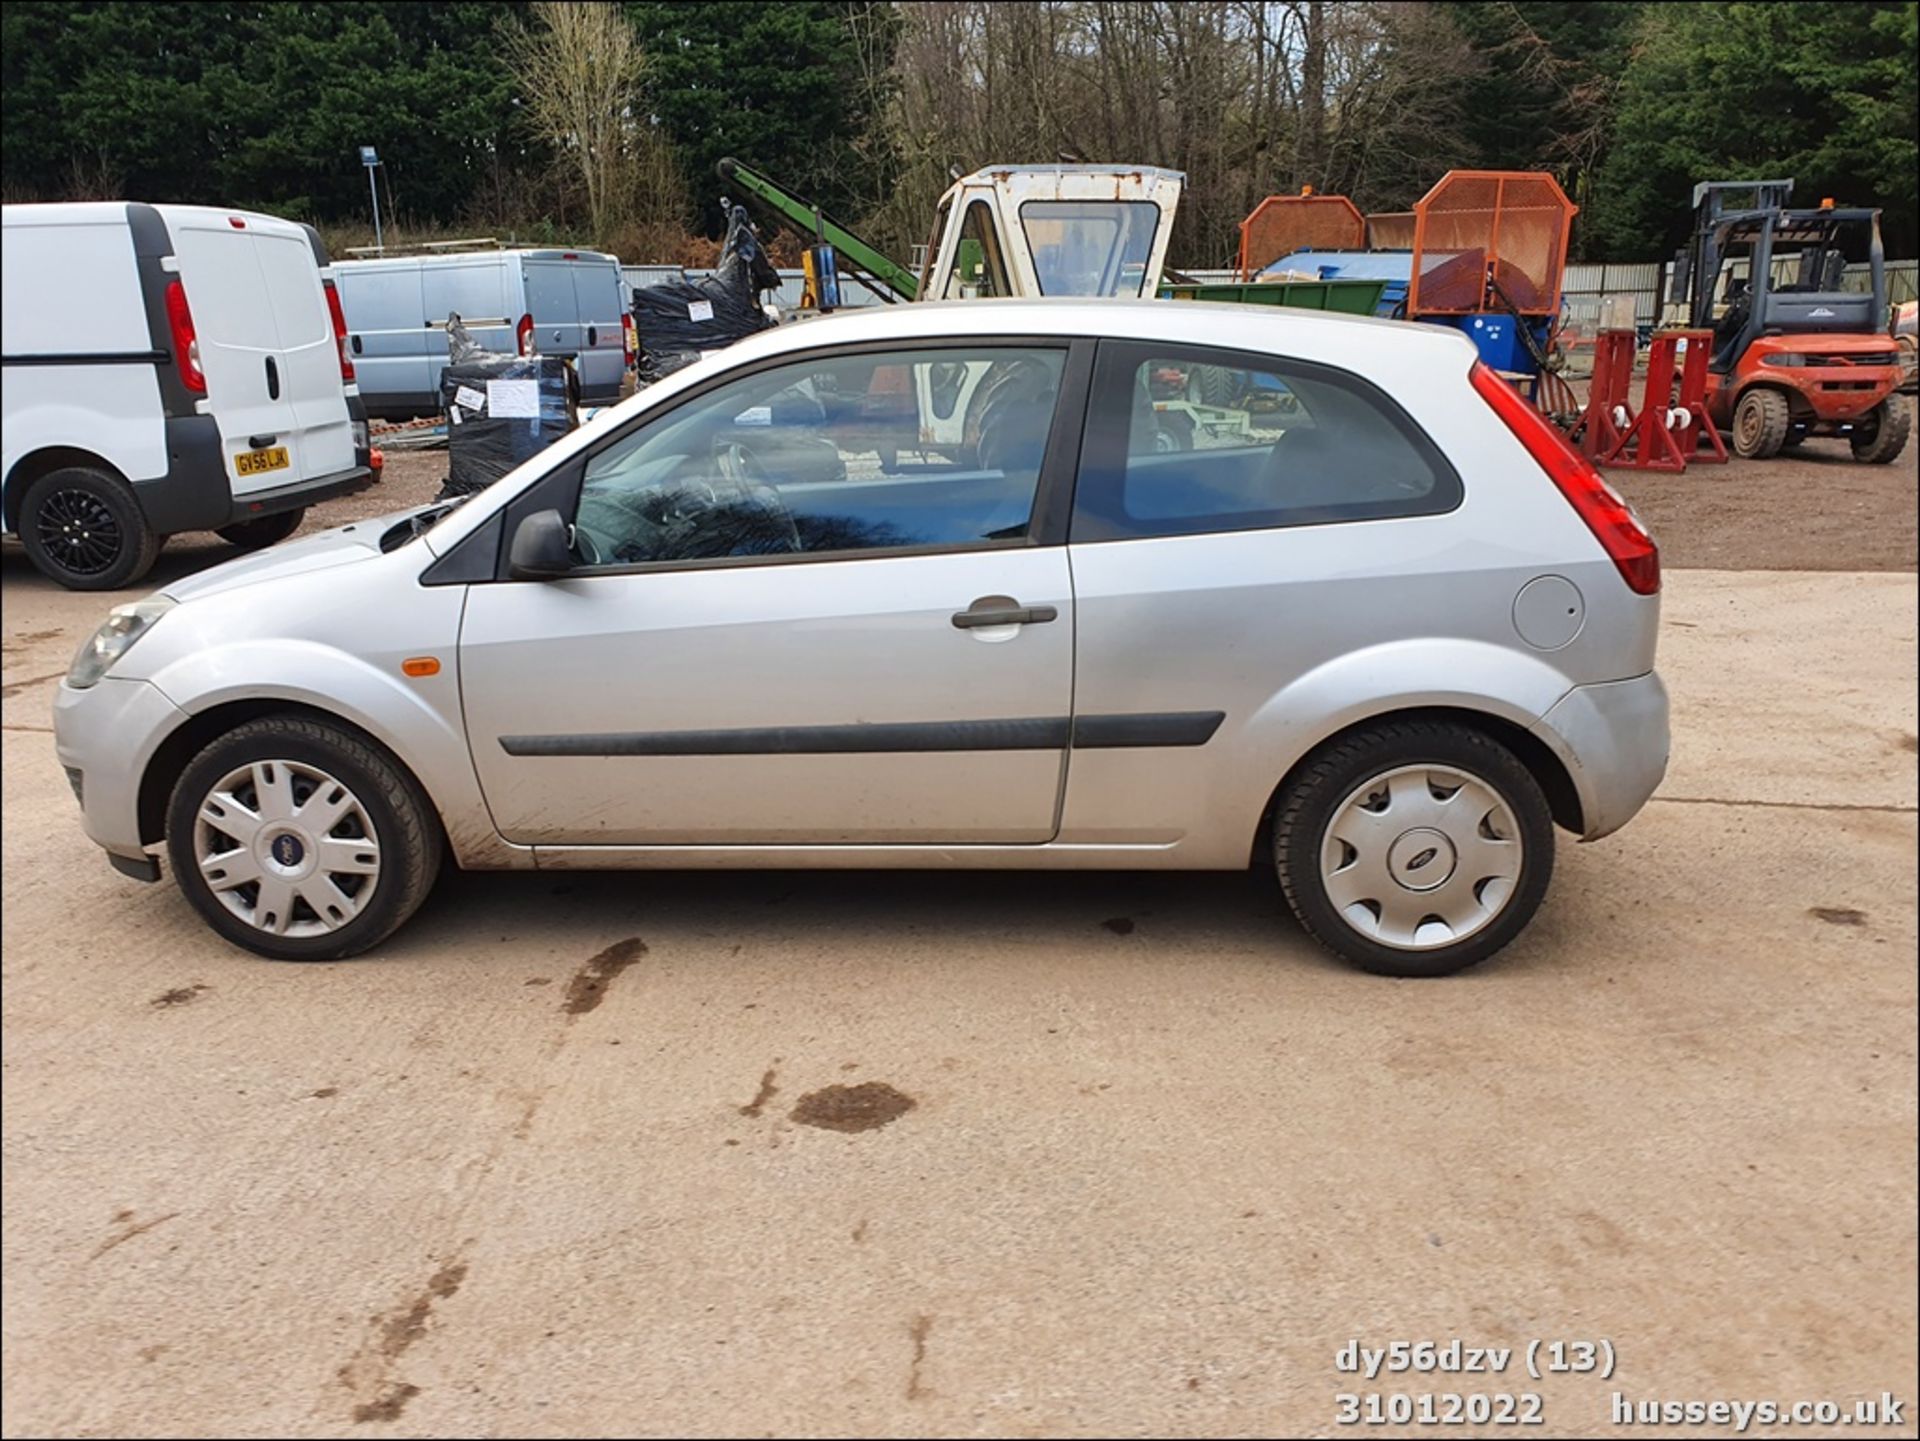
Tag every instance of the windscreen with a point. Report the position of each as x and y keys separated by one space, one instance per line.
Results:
x=1091 y=247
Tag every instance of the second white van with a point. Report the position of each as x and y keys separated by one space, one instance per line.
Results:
x=566 y=303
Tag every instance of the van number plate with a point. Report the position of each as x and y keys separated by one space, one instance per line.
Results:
x=257 y=462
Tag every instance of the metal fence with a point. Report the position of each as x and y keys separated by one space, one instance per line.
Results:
x=1582 y=289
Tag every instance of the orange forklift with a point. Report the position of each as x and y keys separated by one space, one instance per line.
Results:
x=1794 y=354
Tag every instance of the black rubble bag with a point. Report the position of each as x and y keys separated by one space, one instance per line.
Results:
x=501 y=410
x=681 y=319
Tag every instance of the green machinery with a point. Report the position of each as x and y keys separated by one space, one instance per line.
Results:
x=1042 y=230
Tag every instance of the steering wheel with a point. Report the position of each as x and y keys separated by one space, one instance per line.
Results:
x=743 y=470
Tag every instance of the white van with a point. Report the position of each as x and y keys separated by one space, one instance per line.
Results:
x=567 y=303
x=168 y=368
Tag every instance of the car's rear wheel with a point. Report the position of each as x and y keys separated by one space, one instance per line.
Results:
x=261 y=533
x=83 y=527
x=1879 y=439
x=1414 y=848
x=1760 y=424
x=300 y=839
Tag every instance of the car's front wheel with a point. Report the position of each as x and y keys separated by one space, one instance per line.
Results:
x=1414 y=848
x=300 y=839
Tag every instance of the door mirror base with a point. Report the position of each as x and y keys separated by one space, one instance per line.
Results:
x=542 y=547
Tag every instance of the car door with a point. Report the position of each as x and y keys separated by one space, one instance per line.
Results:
x=795 y=622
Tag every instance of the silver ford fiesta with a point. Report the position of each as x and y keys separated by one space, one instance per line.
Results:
x=1012 y=584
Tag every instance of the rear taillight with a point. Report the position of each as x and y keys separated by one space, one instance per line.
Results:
x=186 y=347
x=339 y=330
x=1606 y=513
x=523 y=335
x=628 y=340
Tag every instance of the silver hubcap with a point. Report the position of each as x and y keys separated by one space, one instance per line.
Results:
x=287 y=848
x=1421 y=857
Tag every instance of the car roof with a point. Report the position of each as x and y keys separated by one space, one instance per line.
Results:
x=1187 y=322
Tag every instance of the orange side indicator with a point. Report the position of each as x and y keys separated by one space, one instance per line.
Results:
x=420 y=665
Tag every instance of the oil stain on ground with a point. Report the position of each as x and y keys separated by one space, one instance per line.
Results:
x=1838 y=915
x=178 y=996
x=1119 y=925
x=865 y=1107
x=588 y=988
x=388 y=1405
x=921 y=1328
x=371 y=1371
x=766 y=1093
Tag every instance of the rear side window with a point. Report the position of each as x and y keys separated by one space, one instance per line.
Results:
x=1184 y=442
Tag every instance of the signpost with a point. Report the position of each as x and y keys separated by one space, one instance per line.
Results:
x=369 y=159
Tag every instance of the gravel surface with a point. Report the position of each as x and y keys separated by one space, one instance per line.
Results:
x=977 y=1154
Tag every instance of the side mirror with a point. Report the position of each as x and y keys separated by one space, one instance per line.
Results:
x=542 y=547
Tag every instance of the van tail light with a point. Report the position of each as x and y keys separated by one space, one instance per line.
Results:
x=1605 y=511
x=339 y=330
x=186 y=346
x=628 y=340
x=523 y=335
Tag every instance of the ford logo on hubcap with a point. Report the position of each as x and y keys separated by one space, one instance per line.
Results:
x=287 y=850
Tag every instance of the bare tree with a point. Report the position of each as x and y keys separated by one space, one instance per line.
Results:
x=1248 y=97
x=580 y=71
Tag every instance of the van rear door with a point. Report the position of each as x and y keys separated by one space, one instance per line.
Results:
x=603 y=352
x=309 y=355
x=268 y=395
x=557 y=327
x=392 y=349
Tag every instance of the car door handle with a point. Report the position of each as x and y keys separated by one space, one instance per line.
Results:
x=273 y=380
x=593 y=335
x=1002 y=610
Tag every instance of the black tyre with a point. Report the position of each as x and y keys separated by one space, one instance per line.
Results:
x=1214 y=385
x=1879 y=439
x=301 y=840
x=261 y=533
x=83 y=527
x=1414 y=848
x=1760 y=423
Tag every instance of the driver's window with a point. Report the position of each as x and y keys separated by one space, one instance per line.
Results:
x=901 y=450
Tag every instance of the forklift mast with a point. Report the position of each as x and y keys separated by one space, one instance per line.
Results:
x=1734 y=218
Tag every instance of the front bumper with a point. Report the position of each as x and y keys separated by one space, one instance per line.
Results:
x=109 y=733
x=1613 y=740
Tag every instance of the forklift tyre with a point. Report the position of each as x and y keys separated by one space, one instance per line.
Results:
x=1760 y=424
x=1879 y=439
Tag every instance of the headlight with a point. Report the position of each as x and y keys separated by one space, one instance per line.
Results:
x=1788 y=358
x=124 y=625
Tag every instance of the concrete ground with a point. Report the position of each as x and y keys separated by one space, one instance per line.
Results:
x=550 y=1162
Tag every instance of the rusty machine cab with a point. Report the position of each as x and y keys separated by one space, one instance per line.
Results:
x=1052 y=230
